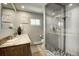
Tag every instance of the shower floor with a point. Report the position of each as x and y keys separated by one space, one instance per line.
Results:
x=38 y=51
x=48 y=53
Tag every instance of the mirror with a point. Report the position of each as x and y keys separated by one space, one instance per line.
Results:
x=6 y=19
x=7 y=16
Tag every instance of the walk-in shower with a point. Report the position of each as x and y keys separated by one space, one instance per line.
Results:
x=55 y=27
x=62 y=27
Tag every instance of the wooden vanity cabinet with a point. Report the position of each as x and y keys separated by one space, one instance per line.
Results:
x=18 y=50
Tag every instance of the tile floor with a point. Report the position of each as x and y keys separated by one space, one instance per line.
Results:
x=37 y=51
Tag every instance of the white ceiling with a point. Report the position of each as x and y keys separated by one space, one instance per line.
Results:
x=35 y=7
x=30 y=7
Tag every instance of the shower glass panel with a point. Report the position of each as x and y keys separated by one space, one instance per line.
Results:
x=54 y=27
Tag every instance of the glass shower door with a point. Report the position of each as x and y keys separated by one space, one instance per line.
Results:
x=54 y=28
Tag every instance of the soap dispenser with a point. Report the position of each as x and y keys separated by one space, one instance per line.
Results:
x=19 y=30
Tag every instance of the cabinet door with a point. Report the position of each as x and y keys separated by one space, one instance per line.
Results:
x=19 y=50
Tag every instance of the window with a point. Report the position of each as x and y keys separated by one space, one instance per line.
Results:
x=35 y=21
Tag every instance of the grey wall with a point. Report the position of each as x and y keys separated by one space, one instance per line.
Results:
x=72 y=31
x=23 y=18
x=0 y=16
x=8 y=17
x=33 y=31
x=72 y=28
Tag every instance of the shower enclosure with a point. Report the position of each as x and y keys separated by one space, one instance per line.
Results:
x=55 y=27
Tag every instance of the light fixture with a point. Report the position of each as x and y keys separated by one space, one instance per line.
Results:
x=53 y=14
x=70 y=4
x=22 y=6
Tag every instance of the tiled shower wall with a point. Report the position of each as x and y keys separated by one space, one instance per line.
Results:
x=72 y=29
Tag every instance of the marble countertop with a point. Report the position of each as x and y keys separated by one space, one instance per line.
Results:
x=18 y=40
x=5 y=33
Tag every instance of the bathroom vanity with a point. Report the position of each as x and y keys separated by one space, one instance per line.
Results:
x=17 y=46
